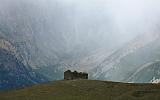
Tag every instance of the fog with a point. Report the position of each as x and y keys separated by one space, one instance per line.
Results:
x=119 y=21
x=77 y=24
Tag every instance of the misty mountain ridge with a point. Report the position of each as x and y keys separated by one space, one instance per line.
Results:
x=149 y=72
x=125 y=61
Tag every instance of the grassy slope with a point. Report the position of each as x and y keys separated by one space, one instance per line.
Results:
x=85 y=90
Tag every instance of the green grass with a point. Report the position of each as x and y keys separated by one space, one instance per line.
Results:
x=85 y=90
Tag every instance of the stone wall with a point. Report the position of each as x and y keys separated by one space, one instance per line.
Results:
x=69 y=75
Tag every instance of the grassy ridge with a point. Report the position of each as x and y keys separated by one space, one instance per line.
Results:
x=85 y=90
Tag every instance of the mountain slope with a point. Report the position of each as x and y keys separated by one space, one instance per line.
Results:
x=13 y=73
x=147 y=73
x=85 y=90
x=120 y=65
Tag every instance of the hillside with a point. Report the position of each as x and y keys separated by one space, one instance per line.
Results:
x=85 y=90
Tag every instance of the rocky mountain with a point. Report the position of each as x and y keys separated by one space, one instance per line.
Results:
x=22 y=35
x=123 y=63
x=149 y=72
x=13 y=73
x=48 y=35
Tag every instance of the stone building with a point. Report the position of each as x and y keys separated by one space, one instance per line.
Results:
x=69 y=75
